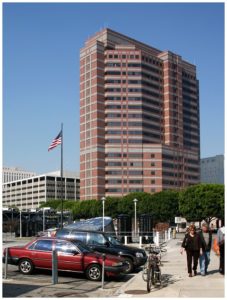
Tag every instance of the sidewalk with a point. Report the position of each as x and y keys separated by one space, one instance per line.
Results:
x=176 y=282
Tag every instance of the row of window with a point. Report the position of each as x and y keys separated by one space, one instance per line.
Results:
x=119 y=181
x=190 y=114
x=134 y=116
x=134 y=73
x=189 y=91
x=189 y=83
x=133 y=141
x=131 y=107
x=132 y=90
x=130 y=155
x=133 y=65
x=133 y=82
x=191 y=129
x=123 y=56
x=141 y=99
x=190 y=144
x=133 y=124
x=189 y=76
x=131 y=190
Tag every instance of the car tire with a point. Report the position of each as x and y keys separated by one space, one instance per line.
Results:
x=26 y=267
x=94 y=272
x=130 y=267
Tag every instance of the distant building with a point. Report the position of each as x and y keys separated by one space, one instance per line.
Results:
x=31 y=192
x=14 y=173
x=212 y=169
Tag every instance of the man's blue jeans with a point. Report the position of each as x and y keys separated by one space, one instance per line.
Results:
x=204 y=261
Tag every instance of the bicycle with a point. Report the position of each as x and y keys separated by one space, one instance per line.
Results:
x=152 y=271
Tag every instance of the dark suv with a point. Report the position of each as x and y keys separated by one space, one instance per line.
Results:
x=104 y=243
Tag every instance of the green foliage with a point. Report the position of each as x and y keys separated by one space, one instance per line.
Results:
x=202 y=202
x=195 y=203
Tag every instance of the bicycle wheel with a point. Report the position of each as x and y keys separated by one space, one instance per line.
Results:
x=149 y=279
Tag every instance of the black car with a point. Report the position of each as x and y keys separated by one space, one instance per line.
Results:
x=104 y=243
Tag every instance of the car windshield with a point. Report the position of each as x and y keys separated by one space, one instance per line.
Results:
x=83 y=248
x=113 y=240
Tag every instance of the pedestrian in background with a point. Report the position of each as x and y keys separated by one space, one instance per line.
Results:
x=206 y=241
x=192 y=245
x=221 y=243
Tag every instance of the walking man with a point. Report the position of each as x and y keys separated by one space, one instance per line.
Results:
x=206 y=241
x=221 y=243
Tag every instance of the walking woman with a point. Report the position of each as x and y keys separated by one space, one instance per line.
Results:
x=193 y=247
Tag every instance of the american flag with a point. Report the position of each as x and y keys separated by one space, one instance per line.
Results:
x=57 y=141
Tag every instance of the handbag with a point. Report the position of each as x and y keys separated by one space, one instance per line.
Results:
x=215 y=246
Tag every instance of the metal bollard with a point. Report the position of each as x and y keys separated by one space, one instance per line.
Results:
x=103 y=269
x=6 y=262
x=174 y=233
x=169 y=233
x=54 y=267
x=157 y=238
x=165 y=236
x=126 y=240
x=140 y=243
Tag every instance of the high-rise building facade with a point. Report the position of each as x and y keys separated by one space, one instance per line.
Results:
x=212 y=169
x=139 y=118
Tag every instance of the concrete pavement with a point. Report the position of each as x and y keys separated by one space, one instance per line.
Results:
x=176 y=282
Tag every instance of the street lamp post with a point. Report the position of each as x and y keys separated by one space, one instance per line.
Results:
x=103 y=212
x=135 y=201
x=44 y=208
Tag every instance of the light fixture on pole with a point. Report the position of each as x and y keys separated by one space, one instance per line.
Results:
x=103 y=212
x=135 y=201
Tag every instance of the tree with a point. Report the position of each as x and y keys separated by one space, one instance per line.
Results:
x=163 y=205
x=202 y=202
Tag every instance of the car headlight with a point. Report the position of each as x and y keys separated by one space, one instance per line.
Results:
x=117 y=264
x=139 y=254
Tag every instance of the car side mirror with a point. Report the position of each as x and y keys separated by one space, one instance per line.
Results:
x=107 y=244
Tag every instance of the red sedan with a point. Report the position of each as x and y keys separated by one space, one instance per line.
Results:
x=72 y=256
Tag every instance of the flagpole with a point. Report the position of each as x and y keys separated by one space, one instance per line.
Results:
x=61 y=175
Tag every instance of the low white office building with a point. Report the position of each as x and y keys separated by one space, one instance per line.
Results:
x=30 y=192
x=15 y=173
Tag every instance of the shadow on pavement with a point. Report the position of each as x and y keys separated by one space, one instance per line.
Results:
x=15 y=290
x=168 y=279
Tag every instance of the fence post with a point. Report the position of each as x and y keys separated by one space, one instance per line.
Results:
x=54 y=267
x=125 y=240
x=103 y=269
x=6 y=262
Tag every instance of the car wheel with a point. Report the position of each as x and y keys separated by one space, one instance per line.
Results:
x=94 y=272
x=26 y=266
x=130 y=266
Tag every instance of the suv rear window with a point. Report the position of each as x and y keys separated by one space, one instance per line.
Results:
x=80 y=236
x=96 y=238
x=63 y=233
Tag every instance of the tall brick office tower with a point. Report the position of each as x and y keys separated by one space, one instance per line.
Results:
x=139 y=118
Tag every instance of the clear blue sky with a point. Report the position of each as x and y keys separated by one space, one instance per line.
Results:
x=41 y=44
